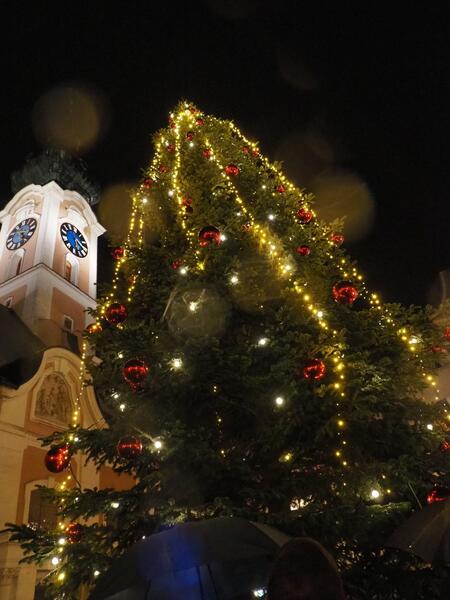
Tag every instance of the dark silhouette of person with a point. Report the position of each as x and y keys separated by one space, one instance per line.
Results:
x=304 y=570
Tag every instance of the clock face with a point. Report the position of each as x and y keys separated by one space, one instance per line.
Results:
x=21 y=233
x=74 y=240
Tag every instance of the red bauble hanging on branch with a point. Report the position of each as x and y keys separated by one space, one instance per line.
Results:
x=345 y=292
x=232 y=170
x=57 y=458
x=148 y=183
x=129 y=447
x=135 y=371
x=337 y=239
x=209 y=235
x=118 y=252
x=447 y=333
x=438 y=494
x=207 y=152
x=74 y=532
x=190 y=136
x=444 y=446
x=304 y=215
x=116 y=313
x=304 y=250
x=314 y=369
x=170 y=148
x=280 y=189
x=199 y=121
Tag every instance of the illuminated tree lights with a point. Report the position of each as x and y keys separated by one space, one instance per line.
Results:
x=248 y=404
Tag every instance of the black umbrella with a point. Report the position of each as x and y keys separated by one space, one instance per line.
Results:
x=426 y=534
x=216 y=559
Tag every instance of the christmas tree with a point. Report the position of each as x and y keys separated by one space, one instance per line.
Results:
x=244 y=368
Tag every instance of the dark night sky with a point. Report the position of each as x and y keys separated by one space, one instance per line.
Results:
x=376 y=87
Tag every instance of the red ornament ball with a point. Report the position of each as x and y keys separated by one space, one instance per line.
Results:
x=281 y=189
x=314 y=369
x=232 y=170
x=209 y=235
x=176 y=263
x=207 y=152
x=74 y=532
x=190 y=136
x=345 y=292
x=148 y=183
x=245 y=149
x=163 y=168
x=304 y=215
x=135 y=371
x=57 y=458
x=118 y=252
x=116 y=313
x=337 y=239
x=199 y=121
x=304 y=250
x=170 y=148
x=129 y=447
x=444 y=446
x=437 y=349
x=438 y=494
x=447 y=333
x=94 y=328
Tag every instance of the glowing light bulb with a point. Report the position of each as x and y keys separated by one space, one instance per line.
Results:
x=223 y=237
x=375 y=494
x=96 y=573
x=177 y=363
x=116 y=395
x=430 y=427
x=55 y=561
x=183 y=271
x=62 y=541
x=115 y=504
x=234 y=279
x=144 y=200
x=320 y=314
x=263 y=341
x=193 y=306
x=122 y=407
x=259 y=593
x=158 y=445
x=279 y=401
x=61 y=576
x=170 y=193
x=271 y=217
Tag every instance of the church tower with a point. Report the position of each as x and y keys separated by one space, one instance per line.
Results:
x=48 y=261
x=48 y=273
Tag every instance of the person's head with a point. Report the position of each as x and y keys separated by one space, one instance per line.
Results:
x=304 y=570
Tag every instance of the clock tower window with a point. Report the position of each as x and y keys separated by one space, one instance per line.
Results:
x=71 y=269
x=16 y=263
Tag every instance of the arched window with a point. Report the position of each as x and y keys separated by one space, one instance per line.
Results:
x=53 y=400
x=16 y=264
x=71 y=268
x=41 y=511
